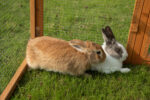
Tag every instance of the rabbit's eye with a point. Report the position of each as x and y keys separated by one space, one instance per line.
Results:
x=98 y=52
x=118 y=50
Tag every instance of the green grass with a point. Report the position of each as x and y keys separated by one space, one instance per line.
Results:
x=69 y=19
x=42 y=85
x=14 y=33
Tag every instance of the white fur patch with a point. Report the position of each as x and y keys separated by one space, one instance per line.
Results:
x=111 y=64
x=125 y=70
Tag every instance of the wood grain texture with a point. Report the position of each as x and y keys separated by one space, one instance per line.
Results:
x=36 y=18
x=32 y=18
x=39 y=18
x=13 y=82
x=136 y=58
x=134 y=28
x=146 y=42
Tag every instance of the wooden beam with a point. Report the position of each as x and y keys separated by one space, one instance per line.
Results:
x=13 y=82
x=36 y=18
x=32 y=18
x=39 y=18
x=146 y=42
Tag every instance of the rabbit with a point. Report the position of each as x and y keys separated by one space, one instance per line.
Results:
x=67 y=57
x=115 y=54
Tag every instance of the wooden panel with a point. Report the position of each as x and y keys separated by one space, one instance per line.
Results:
x=134 y=28
x=136 y=59
x=12 y=84
x=146 y=42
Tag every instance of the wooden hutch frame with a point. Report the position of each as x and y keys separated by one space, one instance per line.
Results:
x=137 y=45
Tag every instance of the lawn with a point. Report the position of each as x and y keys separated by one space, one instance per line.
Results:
x=69 y=19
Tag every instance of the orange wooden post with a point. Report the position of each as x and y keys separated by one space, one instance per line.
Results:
x=36 y=29
x=36 y=16
x=137 y=32
x=32 y=18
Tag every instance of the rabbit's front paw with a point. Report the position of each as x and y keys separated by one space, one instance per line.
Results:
x=125 y=70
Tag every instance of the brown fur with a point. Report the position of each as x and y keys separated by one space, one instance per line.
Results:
x=58 y=55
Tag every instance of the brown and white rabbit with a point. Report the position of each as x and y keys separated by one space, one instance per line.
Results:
x=73 y=57
x=115 y=54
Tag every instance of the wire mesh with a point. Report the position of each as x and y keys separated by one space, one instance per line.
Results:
x=14 y=33
x=83 y=19
x=66 y=19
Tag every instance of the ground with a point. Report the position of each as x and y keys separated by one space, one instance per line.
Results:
x=69 y=19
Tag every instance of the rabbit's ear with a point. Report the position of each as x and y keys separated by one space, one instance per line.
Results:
x=109 y=31
x=108 y=35
x=78 y=45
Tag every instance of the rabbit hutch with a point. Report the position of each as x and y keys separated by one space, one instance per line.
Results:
x=138 y=45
